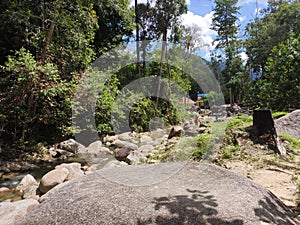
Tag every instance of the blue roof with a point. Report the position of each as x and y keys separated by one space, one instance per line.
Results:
x=201 y=95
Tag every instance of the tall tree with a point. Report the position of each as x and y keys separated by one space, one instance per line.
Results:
x=115 y=21
x=273 y=27
x=280 y=87
x=224 y=21
x=167 y=17
x=147 y=27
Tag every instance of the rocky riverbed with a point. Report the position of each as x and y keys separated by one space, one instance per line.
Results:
x=70 y=160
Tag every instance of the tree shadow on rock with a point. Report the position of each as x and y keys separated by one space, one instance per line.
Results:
x=273 y=211
x=197 y=207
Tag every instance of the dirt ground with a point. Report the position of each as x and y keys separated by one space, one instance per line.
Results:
x=260 y=164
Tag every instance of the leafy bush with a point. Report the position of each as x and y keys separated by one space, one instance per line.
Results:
x=202 y=147
x=35 y=101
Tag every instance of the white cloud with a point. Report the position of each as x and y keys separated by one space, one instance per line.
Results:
x=188 y=2
x=140 y=2
x=204 y=23
x=243 y=56
x=242 y=18
x=244 y=2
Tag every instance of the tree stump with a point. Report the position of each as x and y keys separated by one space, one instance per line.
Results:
x=263 y=124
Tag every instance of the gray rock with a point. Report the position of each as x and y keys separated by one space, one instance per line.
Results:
x=61 y=154
x=4 y=169
x=28 y=185
x=122 y=153
x=110 y=139
x=125 y=144
x=289 y=124
x=73 y=168
x=14 y=166
x=128 y=136
x=146 y=140
x=145 y=149
x=72 y=146
x=170 y=193
x=175 y=131
x=135 y=157
x=95 y=147
x=11 y=212
x=115 y=163
x=53 y=178
x=192 y=131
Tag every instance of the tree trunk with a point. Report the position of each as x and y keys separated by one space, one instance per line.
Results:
x=163 y=49
x=137 y=39
x=47 y=41
x=263 y=123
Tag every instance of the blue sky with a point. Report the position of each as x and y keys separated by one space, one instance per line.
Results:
x=200 y=14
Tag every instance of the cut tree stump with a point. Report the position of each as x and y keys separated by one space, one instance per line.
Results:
x=263 y=123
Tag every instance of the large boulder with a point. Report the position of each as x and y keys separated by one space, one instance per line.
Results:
x=289 y=124
x=28 y=185
x=53 y=178
x=10 y=212
x=170 y=193
x=73 y=168
x=72 y=146
x=146 y=140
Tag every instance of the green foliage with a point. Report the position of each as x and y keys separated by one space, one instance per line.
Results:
x=105 y=104
x=147 y=109
x=226 y=154
x=61 y=31
x=239 y=121
x=202 y=147
x=279 y=89
x=224 y=22
x=115 y=24
x=32 y=105
x=228 y=48
x=273 y=27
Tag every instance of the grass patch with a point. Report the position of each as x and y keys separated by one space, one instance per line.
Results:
x=239 y=121
x=203 y=143
x=294 y=143
x=277 y=115
x=226 y=154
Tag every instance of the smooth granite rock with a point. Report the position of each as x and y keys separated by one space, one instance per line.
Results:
x=10 y=212
x=53 y=178
x=170 y=193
